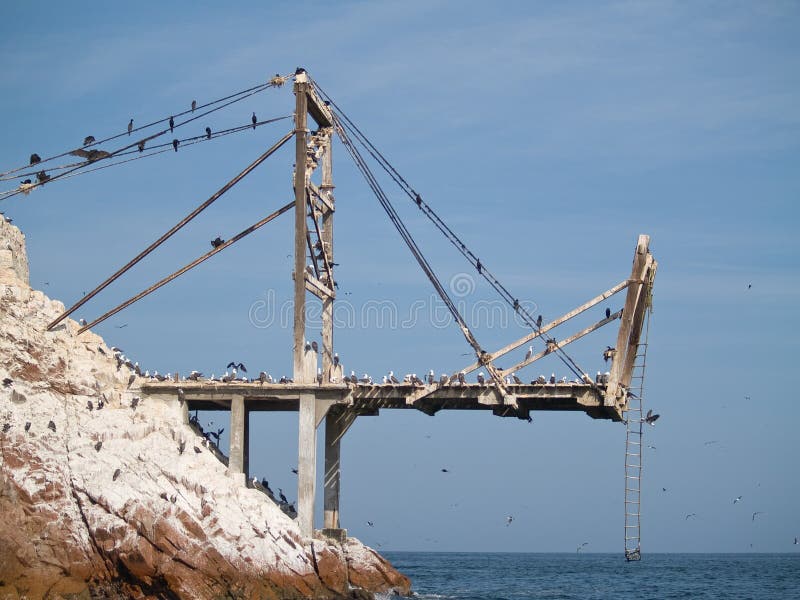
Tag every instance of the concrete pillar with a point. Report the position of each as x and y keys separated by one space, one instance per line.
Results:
x=238 y=438
x=336 y=424
x=306 y=464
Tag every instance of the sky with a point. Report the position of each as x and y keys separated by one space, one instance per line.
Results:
x=549 y=136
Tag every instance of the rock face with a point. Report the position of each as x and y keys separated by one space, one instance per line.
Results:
x=101 y=502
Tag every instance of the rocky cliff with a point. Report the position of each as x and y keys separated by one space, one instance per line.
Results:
x=100 y=499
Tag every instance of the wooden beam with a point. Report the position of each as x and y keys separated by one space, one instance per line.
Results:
x=564 y=342
x=641 y=260
x=301 y=86
x=545 y=328
x=317 y=108
x=317 y=192
x=319 y=289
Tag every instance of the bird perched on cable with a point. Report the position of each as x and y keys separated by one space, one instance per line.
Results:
x=208 y=133
x=140 y=145
x=650 y=418
x=42 y=177
x=194 y=105
x=217 y=242
x=175 y=144
x=608 y=313
x=89 y=139
x=35 y=158
x=130 y=126
x=539 y=321
x=254 y=120
x=171 y=124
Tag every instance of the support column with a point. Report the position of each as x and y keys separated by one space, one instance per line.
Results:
x=306 y=464
x=327 y=239
x=337 y=422
x=238 y=437
x=300 y=225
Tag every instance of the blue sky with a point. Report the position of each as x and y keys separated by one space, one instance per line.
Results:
x=549 y=135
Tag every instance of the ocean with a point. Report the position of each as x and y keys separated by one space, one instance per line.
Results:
x=520 y=576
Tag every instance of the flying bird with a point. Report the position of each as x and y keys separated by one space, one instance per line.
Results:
x=737 y=499
x=650 y=418
x=237 y=366
x=758 y=512
x=130 y=126
x=445 y=471
x=581 y=546
x=254 y=120
x=690 y=515
x=509 y=518
x=294 y=470
x=370 y=523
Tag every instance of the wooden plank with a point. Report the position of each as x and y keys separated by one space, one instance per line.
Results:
x=638 y=271
x=562 y=343
x=317 y=108
x=638 y=322
x=318 y=192
x=326 y=197
x=319 y=289
x=545 y=328
x=301 y=127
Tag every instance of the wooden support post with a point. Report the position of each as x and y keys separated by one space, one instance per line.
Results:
x=326 y=191
x=301 y=127
x=337 y=422
x=306 y=464
x=237 y=430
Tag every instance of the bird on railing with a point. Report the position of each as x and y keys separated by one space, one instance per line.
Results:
x=516 y=379
x=481 y=378
x=529 y=353
x=443 y=379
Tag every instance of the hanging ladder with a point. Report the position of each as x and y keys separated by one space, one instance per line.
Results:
x=633 y=451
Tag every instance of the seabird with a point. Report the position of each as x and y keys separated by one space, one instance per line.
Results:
x=431 y=377
x=690 y=515
x=173 y=498
x=116 y=474
x=89 y=139
x=254 y=120
x=608 y=313
x=481 y=378
x=82 y=322
x=194 y=105
x=509 y=518
x=6 y=427
x=237 y=366
x=41 y=177
x=758 y=512
x=7 y=381
x=130 y=126
x=208 y=133
x=197 y=450
x=181 y=446
x=51 y=426
x=392 y=378
x=217 y=242
x=140 y=145
x=171 y=124
x=650 y=418
x=539 y=321
x=315 y=346
x=529 y=353
x=737 y=499
x=89 y=405
x=552 y=378
x=445 y=471
x=175 y=143
x=134 y=402
x=516 y=379
x=35 y=158
x=581 y=546
x=370 y=523
x=98 y=445
x=282 y=496
x=336 y=359
x=461 y=378
x=443 y=379
x=27 y=425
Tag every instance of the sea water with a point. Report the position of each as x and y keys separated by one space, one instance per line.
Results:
x=507 y=576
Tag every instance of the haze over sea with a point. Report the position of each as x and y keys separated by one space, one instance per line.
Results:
x=523 y=576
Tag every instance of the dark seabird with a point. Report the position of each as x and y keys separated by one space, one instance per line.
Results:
x=392 y=378
x=140 y=145
x=481 y=378
x=163 y=496
x=539 y=321
x=116 y=474
x=294 y=470
x=181 y=446
x=101 y=403
x=42 y=177
x=581 y=546
x=650 y=418
x=130 y=126
x=282 y=496
x=98 y=445
x=445 y=471
x=131 y=379
x=194 y=105
x=608 y=313
x=82 y=322
x=516 y=379
x=173 y=498
x=6 y=427
x=89 y=405
x=237 y=366
x=254 y=120
x=175 y=144
x=758 y=512
x=315 y=346
x=51 y=426
x=336 y=358
x=370 y=523
x=35 y=158
x=689 y=515
x=737 y=499
x=552 y=378
x=89 y=139
x=461 y=378
x=27 y=425
x=197 y=450
x=217 y=242
x=27 y=181
x=509 y=518
x=7 y=382
x=134 y=402
x=171 y=124
x=208 y=133
x=529 y=353
x=479 y=266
